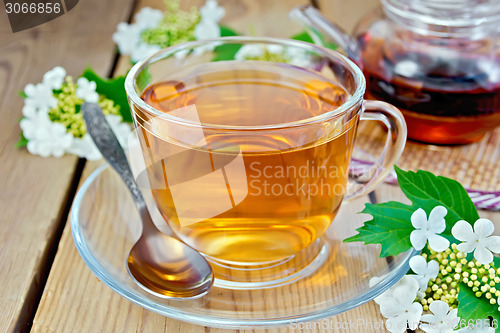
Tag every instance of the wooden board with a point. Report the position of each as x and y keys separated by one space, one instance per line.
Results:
x=346 y=13
x=74 y=297
x=35 y=189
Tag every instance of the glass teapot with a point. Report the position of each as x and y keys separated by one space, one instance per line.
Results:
x=438 y=61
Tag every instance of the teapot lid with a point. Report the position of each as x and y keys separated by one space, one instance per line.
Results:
x=446 y=17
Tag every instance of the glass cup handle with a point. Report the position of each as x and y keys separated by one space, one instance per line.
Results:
x=394 y=146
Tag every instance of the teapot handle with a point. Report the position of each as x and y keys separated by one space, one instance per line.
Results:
x=317 y=25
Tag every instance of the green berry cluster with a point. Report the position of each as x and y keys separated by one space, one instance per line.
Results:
x=177 y=26
x=272 y=57
x=67 y=111
x=454 y=268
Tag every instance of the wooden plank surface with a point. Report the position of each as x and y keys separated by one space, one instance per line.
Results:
x=346 y=13
x=74 y=297
x=35 y=189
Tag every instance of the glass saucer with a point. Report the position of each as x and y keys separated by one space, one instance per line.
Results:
x=105 y=225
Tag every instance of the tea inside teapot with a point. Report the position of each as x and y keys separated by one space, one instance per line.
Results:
x=437 y=61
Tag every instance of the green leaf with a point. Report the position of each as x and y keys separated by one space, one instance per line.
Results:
x=226 y=52
x=113 y=89
x=473 y=308
x=427 y=191
x=143 y=79
x=304 y=36
x=390 y=227
x=23 y=142
x=226 y=31
x=22 y=94
x=391 y=224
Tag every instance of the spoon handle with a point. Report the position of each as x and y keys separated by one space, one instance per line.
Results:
x=112 y=151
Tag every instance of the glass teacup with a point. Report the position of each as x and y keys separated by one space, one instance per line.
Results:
x=248 y=159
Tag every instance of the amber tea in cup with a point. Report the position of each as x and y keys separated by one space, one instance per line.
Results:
x=294 y=190
x=248 y=161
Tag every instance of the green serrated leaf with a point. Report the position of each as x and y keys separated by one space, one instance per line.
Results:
x=473 y=308
x=427 y=191
x=113 y=89
x=23 y=142
x=390 y=227
x=22 y=94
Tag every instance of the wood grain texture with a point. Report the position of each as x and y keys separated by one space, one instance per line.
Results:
x=75 y=298
x=346 y=13
x=34 y=189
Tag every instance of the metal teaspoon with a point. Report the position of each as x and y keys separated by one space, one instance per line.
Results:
x=160 y=264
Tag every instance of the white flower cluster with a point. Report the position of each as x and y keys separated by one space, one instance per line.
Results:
x=398 y=305
x=401 y=304
x=291 y=55
x=86 y=148
x=47 y=138
x=478 y=240
x=211 y=14
x=128 y=36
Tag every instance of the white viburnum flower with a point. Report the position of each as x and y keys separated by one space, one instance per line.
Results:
x=29 y=111
x=148 y=18
x=478 y=240
x=143 y=50
x=400 y=308
x=32 y=118
x=85 y=147
x=40 y=97
x=299 y=57
x=442 y=319
x=258 y=50
x=45 y=138
x=86 y=90
x=127 y=37
x=181 y=54
x=54 y=78
x=250 y=51
x=206 y=29
x=211 y=11
x=121 y=129
x=425 y=270
x=293 y=55
x=406 y=281
x=428 y=229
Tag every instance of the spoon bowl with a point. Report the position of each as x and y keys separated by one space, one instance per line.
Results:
x=168 y=269
x=160 y=264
